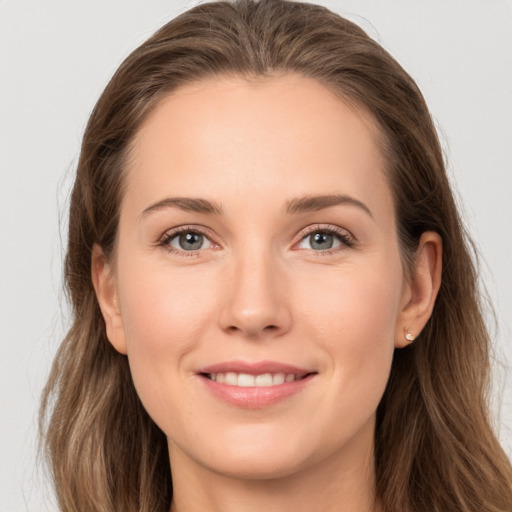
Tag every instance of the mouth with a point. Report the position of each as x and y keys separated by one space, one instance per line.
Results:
x=247 y=380
x=255 y=385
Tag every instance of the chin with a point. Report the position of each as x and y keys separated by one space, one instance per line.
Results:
x=262 y=466
x=268 y=455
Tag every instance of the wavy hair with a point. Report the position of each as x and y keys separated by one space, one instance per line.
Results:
x=435 y=450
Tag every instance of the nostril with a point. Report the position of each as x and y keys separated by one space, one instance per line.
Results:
x=268 y=328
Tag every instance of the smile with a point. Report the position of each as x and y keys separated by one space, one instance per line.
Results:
x=247 y=380
x=255 y=385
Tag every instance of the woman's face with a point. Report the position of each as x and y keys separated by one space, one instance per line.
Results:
x=258 y=288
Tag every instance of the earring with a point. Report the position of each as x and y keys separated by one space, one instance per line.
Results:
x=409 y=336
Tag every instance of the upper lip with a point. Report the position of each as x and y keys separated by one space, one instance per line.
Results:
x=255 y=368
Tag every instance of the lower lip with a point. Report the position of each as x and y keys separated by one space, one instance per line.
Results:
x=256 y=397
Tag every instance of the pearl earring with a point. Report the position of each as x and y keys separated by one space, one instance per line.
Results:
x=409 y=336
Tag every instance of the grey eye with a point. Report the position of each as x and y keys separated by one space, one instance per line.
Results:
x=189 y=241
x=320 y=241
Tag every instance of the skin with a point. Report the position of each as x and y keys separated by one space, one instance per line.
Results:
x=257 y=289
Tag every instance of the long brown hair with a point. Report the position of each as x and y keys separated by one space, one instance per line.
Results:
x=434 y=447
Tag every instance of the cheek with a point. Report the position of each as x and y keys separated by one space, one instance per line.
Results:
x=164 y=315
x=162 y=309
x=354 y=327
x=359 y=303
x=353 y=317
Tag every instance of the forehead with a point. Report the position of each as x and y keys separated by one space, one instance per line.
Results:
x=281 y=137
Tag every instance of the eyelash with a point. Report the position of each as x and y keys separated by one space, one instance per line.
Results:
x=346 y=239
x=173 y=233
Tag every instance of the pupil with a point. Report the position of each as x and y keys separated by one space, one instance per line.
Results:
x=321 y=241
x=191 y=241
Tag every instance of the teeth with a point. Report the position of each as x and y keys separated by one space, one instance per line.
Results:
x=231 y=379
x=262 y=380
x=248 y=381
x=279 y=378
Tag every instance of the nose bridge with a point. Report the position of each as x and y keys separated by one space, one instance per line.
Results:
x=256 y=304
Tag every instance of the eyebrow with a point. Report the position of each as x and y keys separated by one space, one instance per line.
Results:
x=187 y=204
x=296 y=205
x=314 y=203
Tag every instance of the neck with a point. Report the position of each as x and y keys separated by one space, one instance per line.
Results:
x=339 y=483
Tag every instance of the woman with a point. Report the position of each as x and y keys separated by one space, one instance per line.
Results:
x=275 y=304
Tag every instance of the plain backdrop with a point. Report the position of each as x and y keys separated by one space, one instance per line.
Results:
x=55 y=58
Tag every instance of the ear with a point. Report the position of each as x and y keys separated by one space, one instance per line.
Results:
x=105 y=286
x=420 y=292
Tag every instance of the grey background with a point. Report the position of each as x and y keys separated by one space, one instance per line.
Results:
x=55 y=58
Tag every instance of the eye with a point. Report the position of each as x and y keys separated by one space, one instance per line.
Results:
x=325 y=240
x=186 y=240
x=189 y=241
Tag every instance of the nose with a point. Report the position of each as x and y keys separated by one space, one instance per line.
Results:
x=256 y=300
